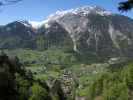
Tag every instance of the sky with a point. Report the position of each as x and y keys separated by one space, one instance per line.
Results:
x=38 y=10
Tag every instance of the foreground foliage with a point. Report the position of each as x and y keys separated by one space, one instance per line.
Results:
x=116 y=85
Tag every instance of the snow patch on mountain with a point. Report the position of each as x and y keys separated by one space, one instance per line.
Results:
x=84 y=10
x=24 y=22
x=37 y=25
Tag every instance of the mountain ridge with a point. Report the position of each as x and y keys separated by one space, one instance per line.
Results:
x=91 y=30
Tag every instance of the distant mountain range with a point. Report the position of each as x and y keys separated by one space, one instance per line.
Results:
x=88 y=30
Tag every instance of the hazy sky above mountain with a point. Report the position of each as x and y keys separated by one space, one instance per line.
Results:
x=37 y=10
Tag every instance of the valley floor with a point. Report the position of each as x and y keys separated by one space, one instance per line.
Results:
x=83 y=80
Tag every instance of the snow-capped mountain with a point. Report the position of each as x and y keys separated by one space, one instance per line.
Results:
x=83 y=11
x=88 y=30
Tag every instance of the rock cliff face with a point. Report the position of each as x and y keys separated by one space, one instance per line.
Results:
x=89 y=30
x=94 y=31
